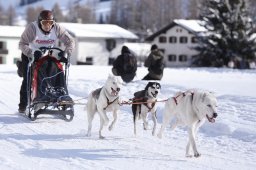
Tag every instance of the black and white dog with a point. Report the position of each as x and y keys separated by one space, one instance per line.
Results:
x=144 y=101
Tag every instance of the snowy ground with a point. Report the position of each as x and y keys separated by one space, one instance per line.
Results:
x=50 y=143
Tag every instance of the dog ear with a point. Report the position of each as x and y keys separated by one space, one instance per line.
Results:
x=148 y=85
x=204 y=95
x=159 y=85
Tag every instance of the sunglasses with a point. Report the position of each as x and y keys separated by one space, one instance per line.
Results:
x=47 y=22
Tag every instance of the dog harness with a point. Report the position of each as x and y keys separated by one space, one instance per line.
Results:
x=140 y=96
x=96 y=94
x=183 y=95
x=109 y=103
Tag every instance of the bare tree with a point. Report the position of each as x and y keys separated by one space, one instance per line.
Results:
x=32 y=13
x=11 y=14
x=3 y=17
x=85 y=14
x=193 y=9
x=144 y=16
x=58 y=13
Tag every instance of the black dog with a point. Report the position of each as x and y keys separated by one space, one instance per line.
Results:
x=144 y=101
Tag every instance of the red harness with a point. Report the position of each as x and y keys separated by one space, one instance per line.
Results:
x=183 y=95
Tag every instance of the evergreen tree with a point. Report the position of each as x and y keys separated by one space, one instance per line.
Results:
x=229 y=34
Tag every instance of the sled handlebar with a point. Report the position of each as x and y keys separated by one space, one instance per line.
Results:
x=50 y=48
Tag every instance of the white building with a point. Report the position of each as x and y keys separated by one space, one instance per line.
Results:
x=94 y=42
x=9 y=40
x=176 y=40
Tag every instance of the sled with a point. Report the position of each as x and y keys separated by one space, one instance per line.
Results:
x=47 y=86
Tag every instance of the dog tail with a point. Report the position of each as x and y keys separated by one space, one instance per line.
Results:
x=134 y=108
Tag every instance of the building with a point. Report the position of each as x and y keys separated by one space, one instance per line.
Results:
x=176 y=41
x=94 y=42
x=9 y=40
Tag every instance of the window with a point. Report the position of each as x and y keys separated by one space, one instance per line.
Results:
x=178 y=30
x=1 y=45
x=89 y=60
x=1 y=60
x=162 y=39
x=15 y=60
x=163 y=50
x=172 y=39
x=183 y=39
x=194 y=39
x=182 y=58
x=172 y=57
x=110 y=44
x=3 y=49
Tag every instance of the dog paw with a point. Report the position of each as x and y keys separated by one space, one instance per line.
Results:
x=88 y=134
x=101 y=137
x=145 y=126
x=159 y=135
x=197 y=155
x=110 y=128
x=189 y=156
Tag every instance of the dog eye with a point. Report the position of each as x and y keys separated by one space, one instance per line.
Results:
x=209 y=105
x=114 y=82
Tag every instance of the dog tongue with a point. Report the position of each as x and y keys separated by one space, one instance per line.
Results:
x=212 y=120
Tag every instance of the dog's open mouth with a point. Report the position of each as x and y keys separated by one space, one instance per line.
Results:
x=114 y=92
x=212 y=120
x=154 y=94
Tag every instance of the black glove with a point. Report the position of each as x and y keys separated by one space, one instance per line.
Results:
x=37 y=54
x=62 y=57
x=61 y=54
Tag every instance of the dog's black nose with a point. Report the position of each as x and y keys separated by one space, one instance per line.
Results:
x=156 y=92
x=118 y=89
x=215 y=115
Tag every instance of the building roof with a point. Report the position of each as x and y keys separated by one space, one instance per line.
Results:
x=78 y=30
x=192 y=26
x=98 y=31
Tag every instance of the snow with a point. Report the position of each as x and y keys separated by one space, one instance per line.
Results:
x=193 y=25
x=99 y=30
x=51 y=143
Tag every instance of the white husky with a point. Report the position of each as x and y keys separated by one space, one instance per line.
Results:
x=103 y=100
x=191 y=109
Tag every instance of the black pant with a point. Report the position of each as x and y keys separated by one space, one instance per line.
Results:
x=23 y=89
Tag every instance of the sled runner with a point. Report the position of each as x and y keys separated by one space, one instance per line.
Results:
x=47 y=86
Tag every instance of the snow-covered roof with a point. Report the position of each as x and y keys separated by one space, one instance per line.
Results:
x=79 y=30
x=192 y=25
x=98 y=30
x=11 y=31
